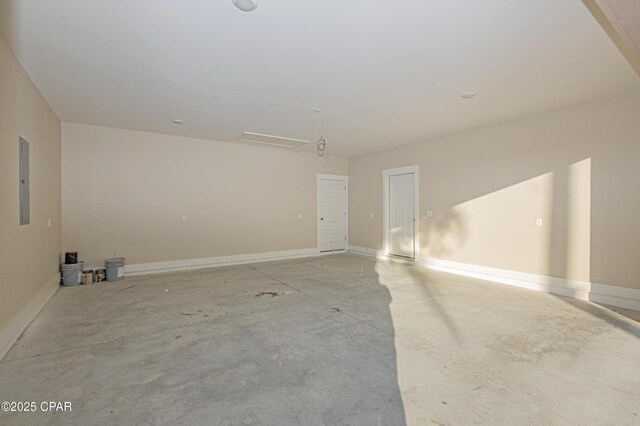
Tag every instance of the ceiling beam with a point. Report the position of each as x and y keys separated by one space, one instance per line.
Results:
x=621 y=20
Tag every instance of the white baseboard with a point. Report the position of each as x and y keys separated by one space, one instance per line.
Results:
x=19 y=323
x=365 y=251
x=622 y=297
x=211 y=262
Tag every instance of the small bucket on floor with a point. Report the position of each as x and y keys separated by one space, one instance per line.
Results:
x=71 y=274
x=115 y=269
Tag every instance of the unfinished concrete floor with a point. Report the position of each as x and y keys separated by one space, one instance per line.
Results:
x=337 y=339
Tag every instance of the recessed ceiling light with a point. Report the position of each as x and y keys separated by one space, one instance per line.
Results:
x=246 y=5
x=177 y=121
x=468 y=95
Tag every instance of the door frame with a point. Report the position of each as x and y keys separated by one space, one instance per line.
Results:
x=386 y=175
x=341 y=178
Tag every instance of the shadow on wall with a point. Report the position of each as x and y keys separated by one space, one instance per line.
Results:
x=445 y=233
x=541 y=225
x=10 y=14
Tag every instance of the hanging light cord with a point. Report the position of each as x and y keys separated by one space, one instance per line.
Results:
x=321 y=146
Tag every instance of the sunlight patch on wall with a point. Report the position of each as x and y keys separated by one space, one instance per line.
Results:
x=497 y=229
x=579 y=220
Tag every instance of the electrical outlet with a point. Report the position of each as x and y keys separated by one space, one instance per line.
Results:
x=429 y=213
x=184 y=219
x=539 y=222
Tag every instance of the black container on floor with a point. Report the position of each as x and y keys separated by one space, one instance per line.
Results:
x=71 y=257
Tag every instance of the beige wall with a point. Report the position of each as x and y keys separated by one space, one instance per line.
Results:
x=124 y=193
x=578 y=169
x=29 y=254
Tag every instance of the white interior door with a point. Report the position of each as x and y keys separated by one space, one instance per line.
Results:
x=332 y=214
x=402 y=220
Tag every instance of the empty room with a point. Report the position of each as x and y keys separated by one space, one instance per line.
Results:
x=321 y=212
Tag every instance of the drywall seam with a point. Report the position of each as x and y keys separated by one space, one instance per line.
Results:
x=211 y=262
x=622 y=297
x=20 y=322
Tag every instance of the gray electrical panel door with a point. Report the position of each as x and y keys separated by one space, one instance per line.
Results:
x=25 y=215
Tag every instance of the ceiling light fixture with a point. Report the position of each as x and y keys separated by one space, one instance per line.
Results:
x=278 y=141
x=246 y=5
x=468 y=95
x=177 y=121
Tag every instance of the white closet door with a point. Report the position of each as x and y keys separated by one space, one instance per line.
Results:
x=332 y=223
x=402 y=215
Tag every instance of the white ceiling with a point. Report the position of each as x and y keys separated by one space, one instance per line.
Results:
x=386 y=73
